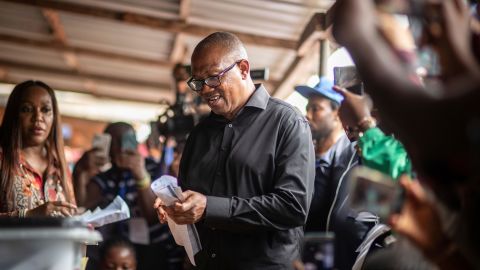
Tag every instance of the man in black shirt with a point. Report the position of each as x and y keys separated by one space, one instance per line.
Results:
x=248 y=169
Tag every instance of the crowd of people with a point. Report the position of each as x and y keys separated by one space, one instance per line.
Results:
x=256 y=174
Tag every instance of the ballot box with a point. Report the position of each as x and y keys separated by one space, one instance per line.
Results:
x=44 y=243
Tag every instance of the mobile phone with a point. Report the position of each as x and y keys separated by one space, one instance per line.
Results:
x=318 y=251
x=129 y=141
x=102 y=143
x=374 y=192
x=348 y=78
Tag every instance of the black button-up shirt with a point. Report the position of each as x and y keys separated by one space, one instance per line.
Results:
x=257 y=172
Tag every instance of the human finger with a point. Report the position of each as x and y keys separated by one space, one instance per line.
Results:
x=100 y=160
x=64 y=204
x=168 y=209
x=342 y=91
x=182 y=219
x=158 y=203
x=413 y=190
x=189 y=202
x=162 y=215
x=64 y=211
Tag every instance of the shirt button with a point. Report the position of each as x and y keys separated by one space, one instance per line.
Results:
x=230 y=125
x=214 y=255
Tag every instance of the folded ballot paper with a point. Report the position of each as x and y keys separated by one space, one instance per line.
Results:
x=117 y=210
x=167 y=189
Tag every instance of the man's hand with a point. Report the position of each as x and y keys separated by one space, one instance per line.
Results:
x=354 y=107
x=162 y=215
x=189 y=211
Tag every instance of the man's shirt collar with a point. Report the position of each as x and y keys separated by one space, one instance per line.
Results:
x=259 y=98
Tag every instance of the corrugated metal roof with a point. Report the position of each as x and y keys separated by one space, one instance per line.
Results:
x=123 y=69
x=263 y=17
x=32 y=55
x=23 y=20
x=157 y=8
x=112 y=44
x=113 y=36
x=60 y=81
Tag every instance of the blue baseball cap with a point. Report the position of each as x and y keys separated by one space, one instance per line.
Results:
x=323 y=88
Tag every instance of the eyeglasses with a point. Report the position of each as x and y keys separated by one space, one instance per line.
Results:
x=213 y=81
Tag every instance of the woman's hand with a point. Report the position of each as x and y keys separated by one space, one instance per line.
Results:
x=53 y=209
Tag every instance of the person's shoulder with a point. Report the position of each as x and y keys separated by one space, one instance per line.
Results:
x=278 y=104
x=285 y=109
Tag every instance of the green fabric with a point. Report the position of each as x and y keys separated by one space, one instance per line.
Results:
x=384 y=153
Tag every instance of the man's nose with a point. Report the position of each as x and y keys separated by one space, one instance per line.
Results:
x=205 y=89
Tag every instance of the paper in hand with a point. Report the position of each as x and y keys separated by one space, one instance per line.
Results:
x=117 y=210
x=167 y=189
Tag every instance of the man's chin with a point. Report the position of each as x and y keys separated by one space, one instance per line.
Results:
x=319 y=136
x=218 y=111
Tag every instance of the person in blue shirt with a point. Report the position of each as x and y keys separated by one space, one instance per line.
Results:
x=129 y=177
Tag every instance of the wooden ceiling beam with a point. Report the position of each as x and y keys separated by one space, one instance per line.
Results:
x=55 y=24
x=87 y=76
x=3 y=73
x=314 y=31
x=297 y=72
x=168 y=25
x=59 y=35
x=110 y=95
x=184 y=9
x=179 y=49
x=84 y=51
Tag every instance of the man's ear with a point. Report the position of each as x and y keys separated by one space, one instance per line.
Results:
x=244 y=67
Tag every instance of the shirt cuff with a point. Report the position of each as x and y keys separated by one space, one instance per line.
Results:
x=218 y=209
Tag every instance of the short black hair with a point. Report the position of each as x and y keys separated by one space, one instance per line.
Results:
x=335 y=106
x=115 y=242
x=228 y=41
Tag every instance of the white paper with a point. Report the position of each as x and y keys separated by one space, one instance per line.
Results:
x=167 y=189
x=138 y=231
x=117 y=210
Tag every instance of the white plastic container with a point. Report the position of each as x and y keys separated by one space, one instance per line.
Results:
x=45 y=247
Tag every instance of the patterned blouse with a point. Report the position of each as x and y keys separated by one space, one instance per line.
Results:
x=30 y=189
